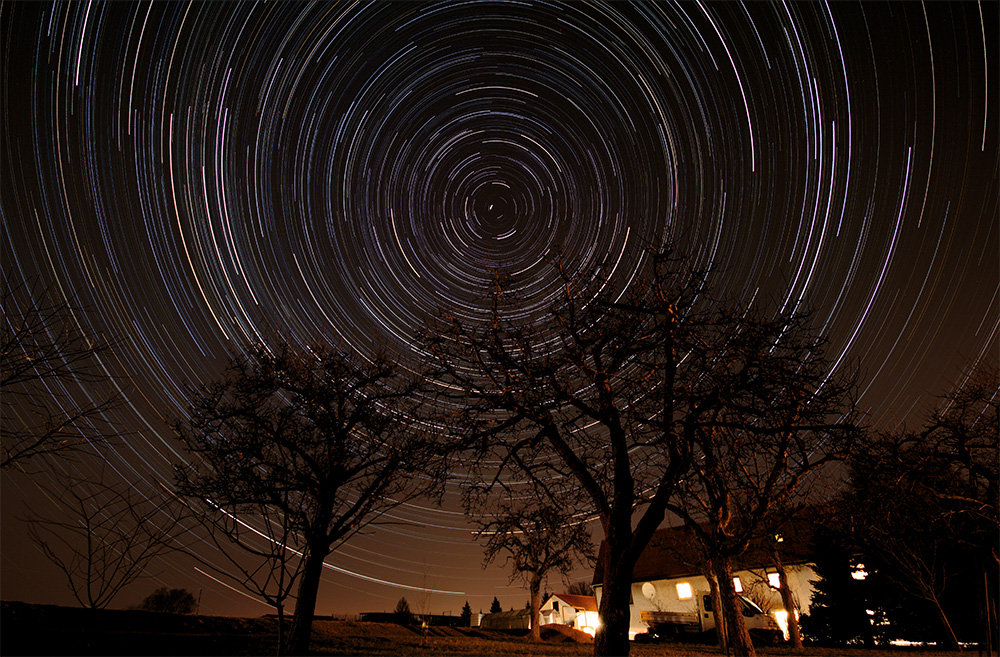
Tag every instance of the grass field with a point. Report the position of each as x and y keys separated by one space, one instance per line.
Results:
x=29 y=629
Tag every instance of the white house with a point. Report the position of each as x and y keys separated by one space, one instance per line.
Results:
x=577 y=611
x=668 y=578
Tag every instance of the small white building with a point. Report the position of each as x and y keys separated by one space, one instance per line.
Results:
x=515 y=619
x=576 y=611
x=668 y=578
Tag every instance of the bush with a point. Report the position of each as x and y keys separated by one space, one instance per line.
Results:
x=171 y=601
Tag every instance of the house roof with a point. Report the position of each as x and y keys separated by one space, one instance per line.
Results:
x=582 y=602
x=675 y=552
x=513 y=613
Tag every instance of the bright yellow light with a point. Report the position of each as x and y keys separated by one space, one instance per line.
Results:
x=738 y=585
x=859 y=572
x=774 y=579
x=684 y=591
x=781 y=618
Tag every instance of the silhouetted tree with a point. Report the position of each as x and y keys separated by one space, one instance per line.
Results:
x=260 y=547
x=580 y=588
x=171 y=601
x=326 y=440
x=53 y=399
x=535 y=532
x=402 y=612
x=596 y=389
x=495 y=607
x=466 y=615
x=925 y=503
x=104 y=536
x=780 y=418
x=608 y=387
x=838 y=612
x=963 y=431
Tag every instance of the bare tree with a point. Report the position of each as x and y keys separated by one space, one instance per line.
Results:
x=781 y=418
x=51 y=379
x=103 y=536
x=536 y=533
x=260 y=549
x=929 y=499
x=963 y=432
x=324 y=439
x=961 y=437
x=607 y=389
x=896 y=517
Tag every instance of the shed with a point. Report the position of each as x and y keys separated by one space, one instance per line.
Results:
x=517 y=619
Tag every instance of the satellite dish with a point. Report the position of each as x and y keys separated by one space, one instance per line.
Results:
x=649 y=590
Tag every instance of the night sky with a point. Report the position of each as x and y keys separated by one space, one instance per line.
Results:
x=201 y=177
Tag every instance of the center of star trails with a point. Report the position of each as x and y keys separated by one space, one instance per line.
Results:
x=494 y=212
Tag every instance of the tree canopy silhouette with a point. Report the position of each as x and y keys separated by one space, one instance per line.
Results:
x=535 y=533
x=612 y=389
x=104 y=536
x=923 y=503
x=782 y=416
x=171 y=601
x=54 y=399
x=328 y=440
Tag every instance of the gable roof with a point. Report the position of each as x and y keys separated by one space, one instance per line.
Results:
x=582 y=602
x=513 y=613
x=674 y=552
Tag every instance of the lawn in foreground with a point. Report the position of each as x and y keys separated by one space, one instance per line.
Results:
x=30 y=629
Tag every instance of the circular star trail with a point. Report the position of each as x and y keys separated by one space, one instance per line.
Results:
x=201 y=178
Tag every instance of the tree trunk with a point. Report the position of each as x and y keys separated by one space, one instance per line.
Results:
x=989 y=616
x=720 y=618
x=614 y=613
x=305 y=604
x=535 y=588
x=950 y=637
x=794 y=637
x=281 y=629
x=740 y=643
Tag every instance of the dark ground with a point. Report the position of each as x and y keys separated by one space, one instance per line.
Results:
x=32 y=629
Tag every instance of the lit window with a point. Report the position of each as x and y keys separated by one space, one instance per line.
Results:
x=774 y=579
x=684 y=591
x=859 y=572
x=738 y=585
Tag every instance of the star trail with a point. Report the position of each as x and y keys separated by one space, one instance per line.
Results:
x=202 y=177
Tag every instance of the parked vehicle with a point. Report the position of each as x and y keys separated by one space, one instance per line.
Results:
x=674 y=625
